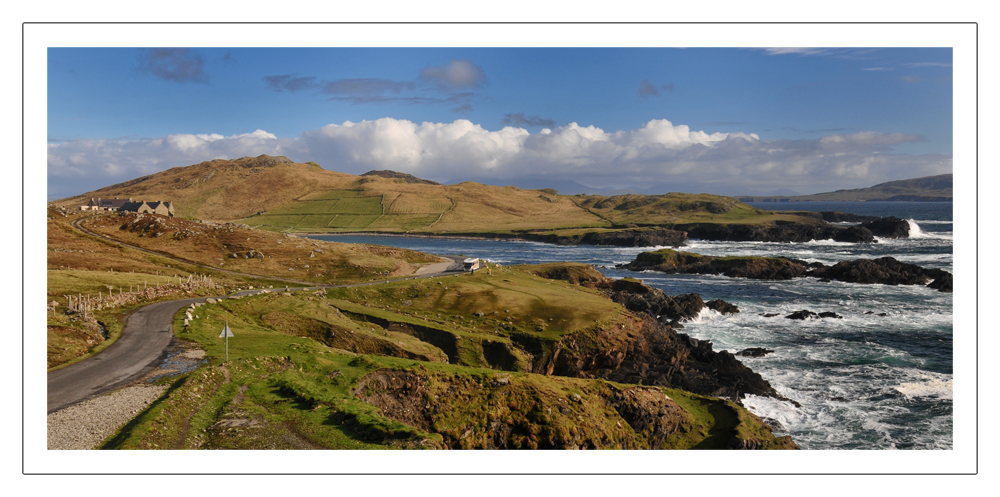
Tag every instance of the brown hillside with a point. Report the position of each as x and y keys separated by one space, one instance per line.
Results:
x=277 y=194
x=225 y=190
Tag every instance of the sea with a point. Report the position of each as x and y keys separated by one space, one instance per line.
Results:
x=879 y=378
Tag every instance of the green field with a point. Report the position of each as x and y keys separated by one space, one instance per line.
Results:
x=327 y=211
x=351 y=369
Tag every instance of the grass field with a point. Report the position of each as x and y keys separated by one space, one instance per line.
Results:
x=292 y=382
x=97 y=282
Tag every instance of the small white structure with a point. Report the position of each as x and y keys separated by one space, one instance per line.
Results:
x=472 y=264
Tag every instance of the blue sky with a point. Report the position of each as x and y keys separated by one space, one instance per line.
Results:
x=724 y=121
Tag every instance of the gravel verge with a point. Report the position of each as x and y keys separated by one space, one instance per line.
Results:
x=83 y=426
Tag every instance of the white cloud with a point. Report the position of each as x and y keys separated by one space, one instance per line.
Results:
x=659 y=152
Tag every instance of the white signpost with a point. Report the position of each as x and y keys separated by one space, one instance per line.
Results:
x=226 y=332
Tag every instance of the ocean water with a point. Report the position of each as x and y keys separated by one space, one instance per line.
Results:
x=864 y=382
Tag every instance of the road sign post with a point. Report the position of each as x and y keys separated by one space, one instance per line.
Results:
x=226 y=332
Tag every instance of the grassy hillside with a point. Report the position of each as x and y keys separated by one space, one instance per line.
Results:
x=421 y=364
x=85 y=266
x=923 y=189
x=275 y=194
x=266 y=254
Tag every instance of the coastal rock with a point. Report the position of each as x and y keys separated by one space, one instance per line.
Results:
x=754 y=352
x=807 y=314
x=722 y=307
x=802 y=315
x=637 y=238
x=888 y=227
x=942 y=279
x=620 y=238
x=852 y=234
x=884 y=270
x=650 y=352
x=674 y=262
x=779 y=232
x=641 y=298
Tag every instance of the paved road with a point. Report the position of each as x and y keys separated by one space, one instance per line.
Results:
x=142 y=346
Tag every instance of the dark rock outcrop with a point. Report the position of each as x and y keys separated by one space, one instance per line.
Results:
x=888 y=227
x=761 y=268
x=807 y=314
x=884 y=270
x=754 y=352
x=622 y=238
x=637 y=238
x=942 y=279
x=722 y=307
x=653 y=353
x=802 y=315
x=779 y=232
x=641 y=298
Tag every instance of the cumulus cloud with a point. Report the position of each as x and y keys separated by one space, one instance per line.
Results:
x=657 y=153
x=173 y=64
x=519 y=119
x=456 y=74
x=647 y=89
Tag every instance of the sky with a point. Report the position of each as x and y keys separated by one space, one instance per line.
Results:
x=652 y=120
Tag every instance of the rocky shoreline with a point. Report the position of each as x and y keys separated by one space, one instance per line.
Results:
x=677 y=235
x=653 y=353
x=884 y=270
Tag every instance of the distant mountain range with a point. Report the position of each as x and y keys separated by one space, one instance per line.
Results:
x=928 y=188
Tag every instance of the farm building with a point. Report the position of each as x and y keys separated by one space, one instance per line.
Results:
x=129 y=205
x=105 y=204
x=157 y=207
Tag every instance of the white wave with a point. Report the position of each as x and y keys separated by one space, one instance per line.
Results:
x=940 y=388
x=915 y=231
x=928 y=221
x=704 y=315
x=828 y=242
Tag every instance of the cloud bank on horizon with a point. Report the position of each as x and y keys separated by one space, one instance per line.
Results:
x=658 y=153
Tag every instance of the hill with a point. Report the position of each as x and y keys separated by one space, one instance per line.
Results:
x=277 y=194
x=928 y=188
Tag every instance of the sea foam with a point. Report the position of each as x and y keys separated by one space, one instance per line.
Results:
x=933 y=388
